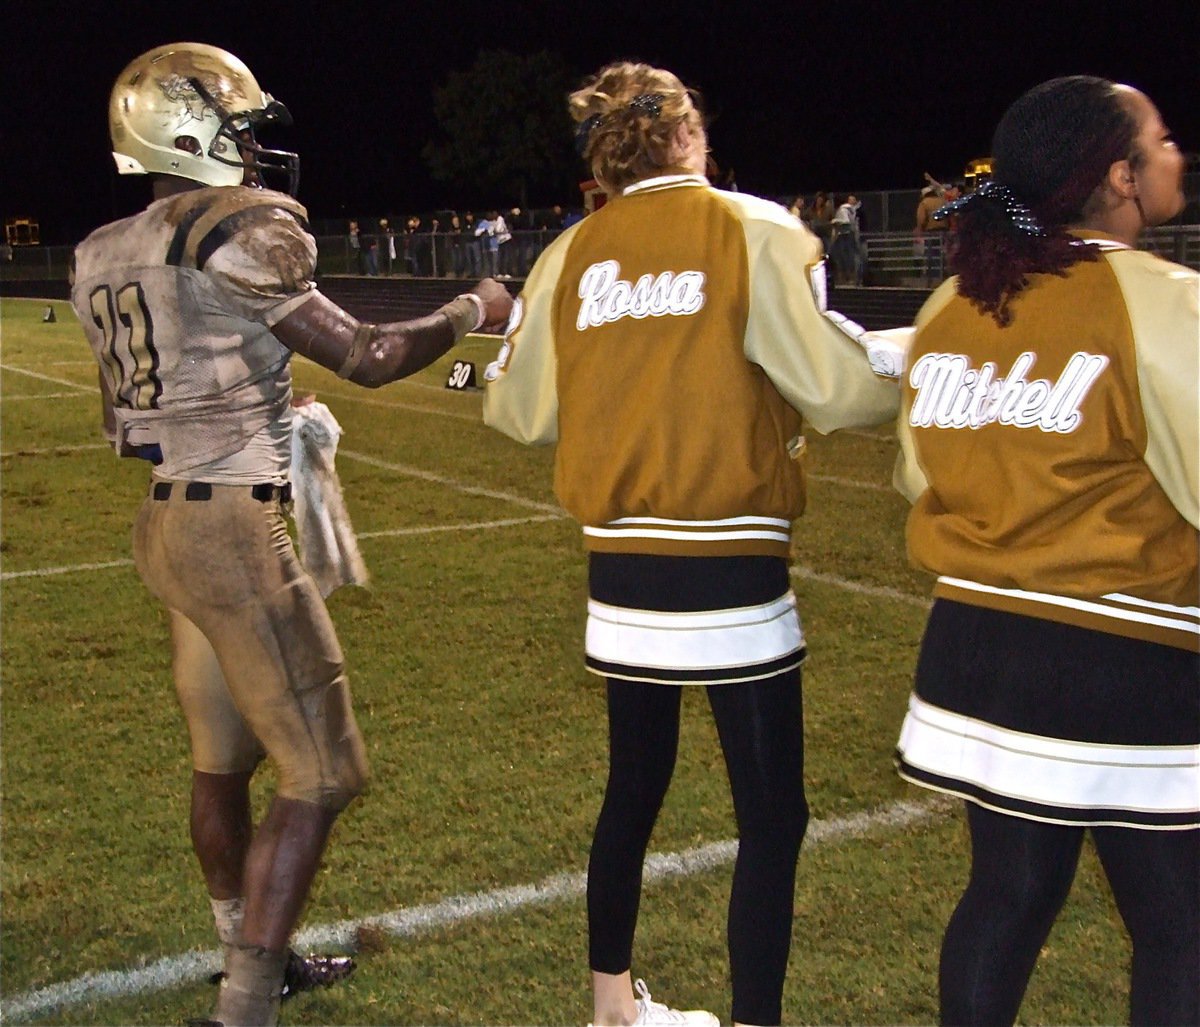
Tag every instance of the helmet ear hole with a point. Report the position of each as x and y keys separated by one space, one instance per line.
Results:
x=189 y=144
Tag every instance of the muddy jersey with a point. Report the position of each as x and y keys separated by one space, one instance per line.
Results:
x=177 y=303
x=1053 y=464
x=671 y=343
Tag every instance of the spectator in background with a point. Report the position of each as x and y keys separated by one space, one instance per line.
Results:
x=472 y=247
x=369 y=248
x=844 y=248
x=458 y=253
x=801 y=211
x=930 y=234
x=421 y=245
x=355 y=243
x=409 y=244
x=485 y=232
x=389 y=244
x=860 y=276
x=548 y=224
x=436 y=264
x=821 y=221
x=927 y=235
x=503 y=238
x=525 y=239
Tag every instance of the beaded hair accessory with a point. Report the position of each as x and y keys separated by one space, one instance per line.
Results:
x=647 y=103
x=1020 y=216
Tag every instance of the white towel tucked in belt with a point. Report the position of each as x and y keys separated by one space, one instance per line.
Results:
x=328 y=546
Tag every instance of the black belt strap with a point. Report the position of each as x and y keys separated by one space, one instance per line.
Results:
x=201 y=491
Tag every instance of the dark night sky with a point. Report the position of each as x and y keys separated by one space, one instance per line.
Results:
x=850 y=95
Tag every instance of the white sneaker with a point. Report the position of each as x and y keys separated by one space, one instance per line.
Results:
x=654 y=1013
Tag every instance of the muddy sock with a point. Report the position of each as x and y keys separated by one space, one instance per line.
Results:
x=249 y=995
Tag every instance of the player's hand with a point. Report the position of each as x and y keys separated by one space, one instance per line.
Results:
x=497 y=303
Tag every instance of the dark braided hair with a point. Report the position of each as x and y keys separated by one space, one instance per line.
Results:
x=1052 y=148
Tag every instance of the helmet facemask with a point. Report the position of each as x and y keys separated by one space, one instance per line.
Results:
x=238 y=130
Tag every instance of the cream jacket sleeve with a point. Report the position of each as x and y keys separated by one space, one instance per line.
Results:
x=522 y=396
x=813 y=356
x=907 y=476
x=1163 y=300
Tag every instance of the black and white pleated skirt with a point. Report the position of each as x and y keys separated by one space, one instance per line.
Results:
x=693 y=620
x=1053 y=722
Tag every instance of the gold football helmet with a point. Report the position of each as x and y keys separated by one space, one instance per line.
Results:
x=191 y=110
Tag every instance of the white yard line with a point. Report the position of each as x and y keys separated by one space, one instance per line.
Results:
x=891 y=437
x=431 y=529
x=458 y=486
x=363 y=398
x=478 y=526
x=51 y=395
x=874 y=591
x=851 y=483
x=43 y=450
x=48 y=378
x=73 y=568
x=413 y=921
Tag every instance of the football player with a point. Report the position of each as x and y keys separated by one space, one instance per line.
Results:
x=193 y=309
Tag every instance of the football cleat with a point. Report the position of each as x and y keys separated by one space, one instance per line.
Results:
x=304 y=973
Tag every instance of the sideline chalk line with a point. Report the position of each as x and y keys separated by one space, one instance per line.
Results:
x=409 y=922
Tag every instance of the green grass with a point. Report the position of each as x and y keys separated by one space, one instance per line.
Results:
x=486 y=737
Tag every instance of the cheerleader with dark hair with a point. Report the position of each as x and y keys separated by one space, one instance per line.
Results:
x=1049 y=444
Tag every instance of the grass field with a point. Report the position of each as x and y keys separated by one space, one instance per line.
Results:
x=458 y=877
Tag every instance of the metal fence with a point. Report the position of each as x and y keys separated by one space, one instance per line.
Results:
x=890 y=258
x=896 y=258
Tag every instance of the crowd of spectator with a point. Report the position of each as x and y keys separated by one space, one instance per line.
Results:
x=467 y=244
x=840 y=222
x=505 y=243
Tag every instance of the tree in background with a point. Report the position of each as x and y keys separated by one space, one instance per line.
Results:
x=504 y=126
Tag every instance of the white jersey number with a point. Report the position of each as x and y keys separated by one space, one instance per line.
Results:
x=129 y=353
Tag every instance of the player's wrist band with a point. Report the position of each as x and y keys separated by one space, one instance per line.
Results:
x=472 y=317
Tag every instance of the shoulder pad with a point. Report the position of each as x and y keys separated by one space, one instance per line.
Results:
x=206 y=225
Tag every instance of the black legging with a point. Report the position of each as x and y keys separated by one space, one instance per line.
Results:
x=1021 y=872
x=760 y=725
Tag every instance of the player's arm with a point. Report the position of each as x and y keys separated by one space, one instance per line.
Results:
x=264 y=266
x=375 y=354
